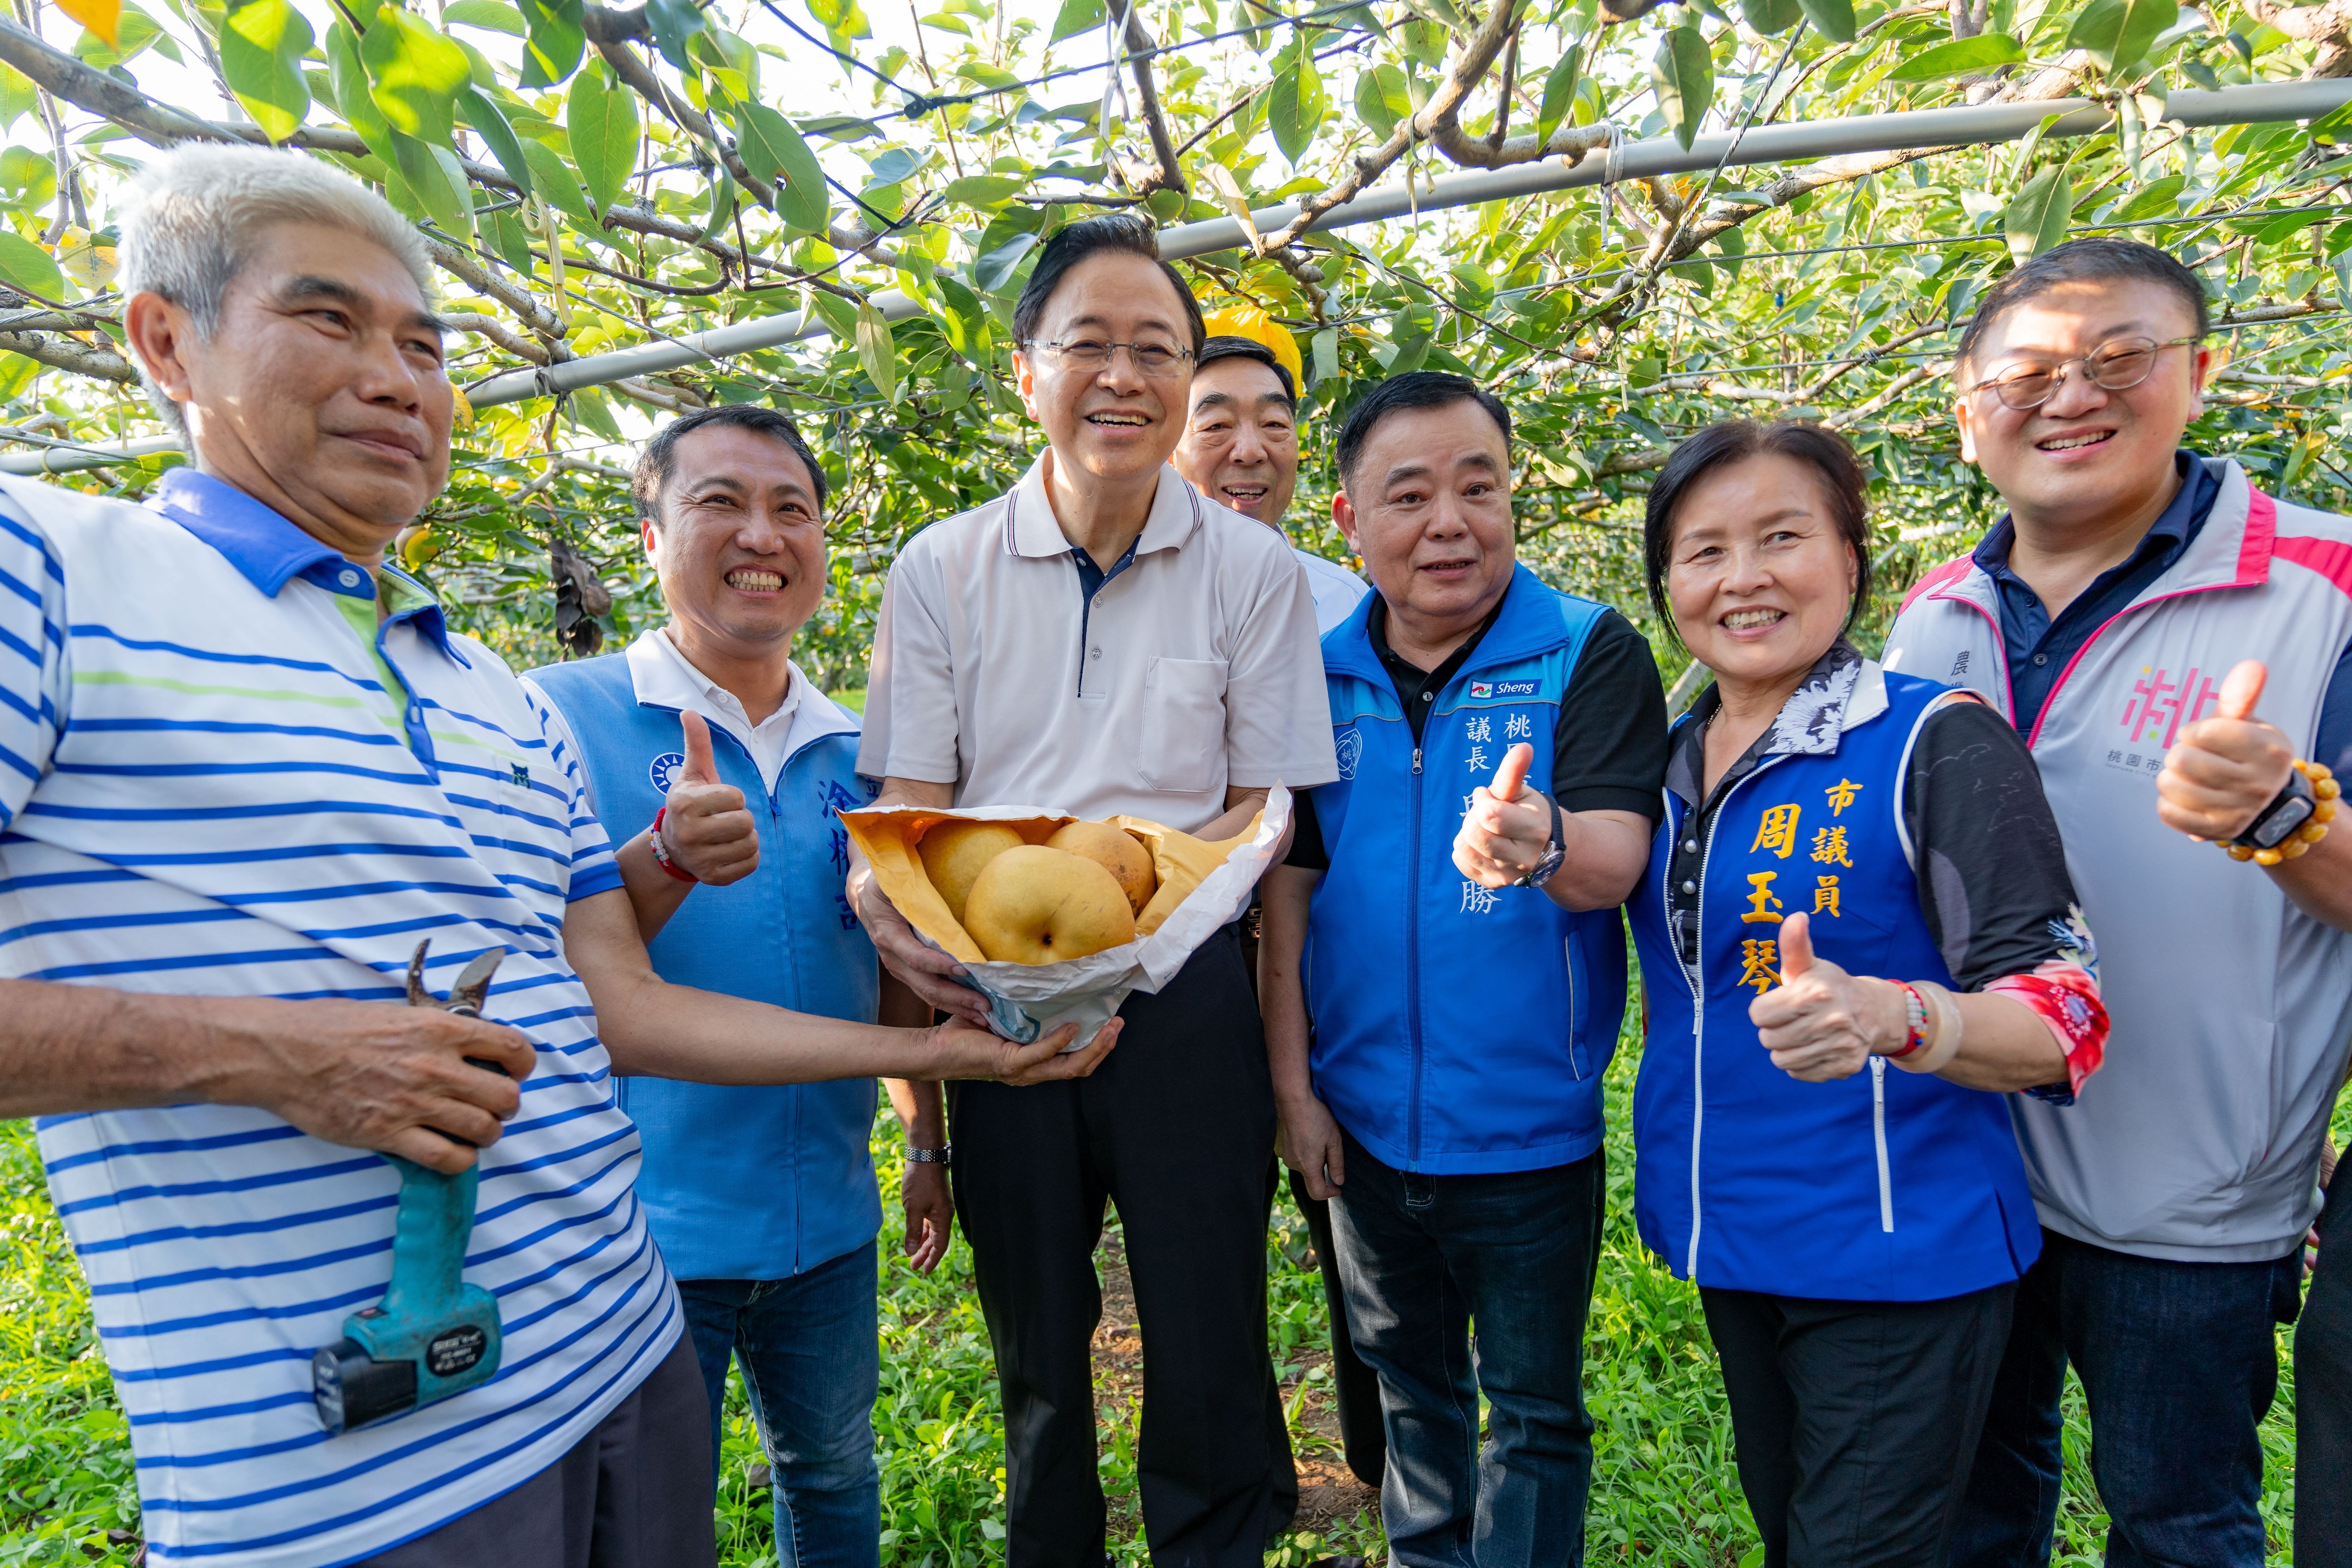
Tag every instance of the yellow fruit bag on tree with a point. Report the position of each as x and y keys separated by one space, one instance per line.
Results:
x=1203 y=887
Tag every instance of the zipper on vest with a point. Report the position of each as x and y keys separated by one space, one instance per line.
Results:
x=1412 y=966
x=1697 y=982
x=1878 y=1133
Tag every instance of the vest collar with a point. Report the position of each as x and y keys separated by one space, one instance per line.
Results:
x=2231 y=550
x=1530 y=623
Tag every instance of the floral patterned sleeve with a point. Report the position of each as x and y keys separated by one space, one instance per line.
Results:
x=1993 y=883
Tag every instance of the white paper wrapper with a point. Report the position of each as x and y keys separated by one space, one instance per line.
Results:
x=1029 y=999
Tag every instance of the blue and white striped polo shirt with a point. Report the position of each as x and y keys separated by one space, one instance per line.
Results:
x=207 y=791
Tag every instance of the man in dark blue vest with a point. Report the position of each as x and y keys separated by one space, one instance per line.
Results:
x=763 y=1199
x=1437 y=1055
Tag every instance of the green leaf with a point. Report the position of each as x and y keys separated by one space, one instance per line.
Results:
x=1832 y=20
x=491 y=15
x=414 y=74
x=19 y=97
x=985 y=190
x=555 y=35
x=1381 y=98
x=674 y=25
x=1768 y=16
x=839 y=315
x=773 y=149
x=723 y=206
x=440 y=188
x=1558 y=95
x=993 y=271
x=601 y=115
x=348 y=76
x=1960 y=57
x=1077 y=16
x=511 y=240
x=554 y=179
x=2160 y=198
x=2036 y=220
x=478 y=109
x=589 y=408
x=1296 y=106
x=1326 y=354
x=1684 y=74
x=26 y=267
x=262 y=44
x=2117 y=33
x=877 y=353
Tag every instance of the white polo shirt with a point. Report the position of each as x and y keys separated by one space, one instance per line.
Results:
x=1194 y=666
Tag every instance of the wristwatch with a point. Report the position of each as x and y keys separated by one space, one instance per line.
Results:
x=937 y=1156
x=1554 y=852
x=2277 y=822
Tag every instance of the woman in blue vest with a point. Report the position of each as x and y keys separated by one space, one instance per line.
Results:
x=1856 y=934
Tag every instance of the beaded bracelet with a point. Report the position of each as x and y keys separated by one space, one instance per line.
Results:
x=1915 y=1021
x=661 y=851
x=2326 y=791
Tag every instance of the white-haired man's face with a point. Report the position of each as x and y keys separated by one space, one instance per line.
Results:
x=321 y=393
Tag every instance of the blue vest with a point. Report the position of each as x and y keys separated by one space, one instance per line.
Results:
x=1884 y=1186
x=744 y=1184
x=1457 y=1028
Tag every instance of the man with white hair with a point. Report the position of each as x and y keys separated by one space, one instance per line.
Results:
x=245 y=767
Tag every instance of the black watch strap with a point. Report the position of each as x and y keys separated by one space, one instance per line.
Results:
x=939 y=1156
x=2287 y=812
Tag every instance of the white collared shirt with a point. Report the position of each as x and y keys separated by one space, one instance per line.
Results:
x=1337 y=590
x=664 y=677
x=1193 y=667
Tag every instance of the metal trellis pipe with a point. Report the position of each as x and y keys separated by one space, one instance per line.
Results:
x=1969 y=125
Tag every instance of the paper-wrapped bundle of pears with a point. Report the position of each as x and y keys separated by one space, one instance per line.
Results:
x=1076 y=893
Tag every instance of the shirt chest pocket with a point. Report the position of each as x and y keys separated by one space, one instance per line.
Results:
x=1183 y=724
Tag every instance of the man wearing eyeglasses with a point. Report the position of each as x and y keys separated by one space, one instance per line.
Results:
x=2105 y=615
x=1104 y=638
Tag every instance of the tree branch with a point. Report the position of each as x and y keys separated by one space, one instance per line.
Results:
x=64 y=354
x=1168 y=175
x=1442 y=109
x=2328 y=25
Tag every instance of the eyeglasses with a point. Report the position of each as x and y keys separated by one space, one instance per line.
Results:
x=2115 y=366
x=1089 y=355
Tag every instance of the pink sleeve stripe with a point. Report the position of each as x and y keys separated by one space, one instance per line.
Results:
x=1948 y=572
x=2331 y=558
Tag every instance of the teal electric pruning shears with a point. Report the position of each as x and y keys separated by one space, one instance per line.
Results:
x=432 y=1335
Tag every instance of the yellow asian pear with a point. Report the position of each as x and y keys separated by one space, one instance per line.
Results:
x=954 y=851
x=1039 y=905
x=1116 y=850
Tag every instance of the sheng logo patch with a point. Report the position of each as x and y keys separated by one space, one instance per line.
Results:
x=1483 y=688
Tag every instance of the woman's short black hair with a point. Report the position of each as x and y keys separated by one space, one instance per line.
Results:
x=1736 y=440
x=1091 y=236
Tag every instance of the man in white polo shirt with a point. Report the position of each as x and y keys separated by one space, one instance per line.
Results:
x=1103 y=638
x=245 y=767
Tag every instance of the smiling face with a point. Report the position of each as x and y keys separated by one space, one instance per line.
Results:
x=2087 y=456
x=1241 y=444
x=321 y=392
x=1116 y=424
x=1428 y=507
x=740 y=548
x=1758 y=575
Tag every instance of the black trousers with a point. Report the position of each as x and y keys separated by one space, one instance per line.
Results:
x=634 y=1493
x=1856 y=1422
x=1357 y=1386
x=2322 y=1398
x=1174 y=1127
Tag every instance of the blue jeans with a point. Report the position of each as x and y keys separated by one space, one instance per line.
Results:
x=2178 y=1363
x=811 y=1364
x=1420 y=1258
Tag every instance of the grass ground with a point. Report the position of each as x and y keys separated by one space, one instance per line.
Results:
x=1664 y=1490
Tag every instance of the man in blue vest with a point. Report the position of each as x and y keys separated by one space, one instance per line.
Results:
x=1437 y=1055
x=763 y=1199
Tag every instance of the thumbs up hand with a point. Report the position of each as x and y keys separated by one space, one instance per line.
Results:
x=1507 y=827
x=1820 y=1023
x=705 y=825
x=2223 y=770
